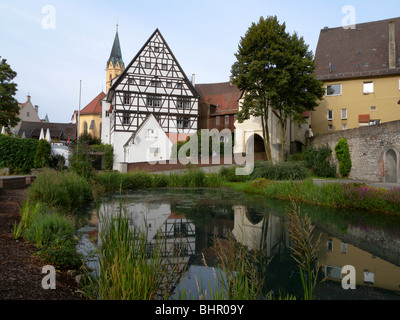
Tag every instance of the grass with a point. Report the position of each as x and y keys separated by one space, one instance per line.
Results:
x=338 y=195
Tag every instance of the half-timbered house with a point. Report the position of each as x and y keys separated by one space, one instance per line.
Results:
x=153 y=83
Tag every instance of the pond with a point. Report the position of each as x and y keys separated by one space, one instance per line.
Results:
x=193 y=218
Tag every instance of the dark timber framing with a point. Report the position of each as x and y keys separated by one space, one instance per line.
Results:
x=154 y=83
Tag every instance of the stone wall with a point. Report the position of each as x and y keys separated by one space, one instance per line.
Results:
x=374 y=151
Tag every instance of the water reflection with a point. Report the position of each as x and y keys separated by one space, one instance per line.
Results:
x=189 y=221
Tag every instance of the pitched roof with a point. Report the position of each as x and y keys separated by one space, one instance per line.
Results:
x=158 y=34
x=94 y=107
x=224 y=95
x=60 y=131
x=359 y=52
x=116 y=54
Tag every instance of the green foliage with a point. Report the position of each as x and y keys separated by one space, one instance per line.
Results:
x=42 y=156
x=343 y=156
x=81 y=160
x=280 y=171
x=17 y=154
x=9 y=108
x=64 y=190
x=319 y=161
x=29 y=211
x=229 y=175
x=108 y=151
x=54 y=235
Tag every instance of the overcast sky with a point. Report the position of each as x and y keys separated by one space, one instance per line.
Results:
x=53 y=45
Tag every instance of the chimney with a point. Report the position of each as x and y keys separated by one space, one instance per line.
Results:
x=29 y=98
x=392 y=46
x=193 y=79
x=37 y=109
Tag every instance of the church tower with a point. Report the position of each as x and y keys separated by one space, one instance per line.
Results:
x=115 y=64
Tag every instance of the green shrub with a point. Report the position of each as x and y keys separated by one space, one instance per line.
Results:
x=42 y=156
x=280 y=171
x=54 y=235
x=160 y=181
x=319 y=161
x=17 y=153
x=136 y=180
x=229 y=175
x=65 y=190
x=343 y=156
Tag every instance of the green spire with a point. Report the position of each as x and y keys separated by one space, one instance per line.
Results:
x=116 y=55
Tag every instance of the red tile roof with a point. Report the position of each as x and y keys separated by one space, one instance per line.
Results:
x=94 y=107
x=223 y=95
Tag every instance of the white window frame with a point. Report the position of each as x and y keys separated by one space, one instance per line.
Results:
x=366 y=87
x=226 y=120
x=344 y=114
x=344 y=126
x=334 y=94
x=217 y=120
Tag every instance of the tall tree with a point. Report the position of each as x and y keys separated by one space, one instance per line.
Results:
x=254 y=71
x=297 y=87
x=9 y=108
x=275 y=70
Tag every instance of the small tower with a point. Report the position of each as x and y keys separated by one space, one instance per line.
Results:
x=115 y=64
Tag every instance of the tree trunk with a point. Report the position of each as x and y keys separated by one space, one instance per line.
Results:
x=267 y=142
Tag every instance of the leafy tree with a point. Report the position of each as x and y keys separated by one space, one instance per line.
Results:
x=42 y=156
x=297 y=88
x=9 y=108
x=275 y=70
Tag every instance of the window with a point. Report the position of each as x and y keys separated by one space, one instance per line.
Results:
x=183 y=104
x=330 y=127
x=217 y=120
x=169 y=84
x=369 y=277
x=85 y=127
x=333 y=272
x=126 y=118
x=127 y=98
x=344 y=126
x=130 y=81
x=373 y=108
x=329 y=245
x=226 y=120
x=334 y=90
x=107 y=114
x=344 y=114
x=142 y=82
x=156 y=49
x=344 y=248
x=374 y=122
x=151 y=133
x=164 y=67
x=92 y=123
x=182 y=123
x=368 y=87
x=179 y=85
x=153 y=101
x=147 y=65
x=330 y=115
x=155 y=83
x=28 y=114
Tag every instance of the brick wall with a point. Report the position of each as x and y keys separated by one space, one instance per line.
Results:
x=368 y=146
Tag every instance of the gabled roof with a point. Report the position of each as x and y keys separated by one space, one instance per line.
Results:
x=123 y=74
x=94 y=107
x=60 y=131
x=116 y=54
x=360 y=52
x=224 y=95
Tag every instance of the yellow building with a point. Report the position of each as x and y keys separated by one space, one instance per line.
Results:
x=91 y=118
x=360 y=68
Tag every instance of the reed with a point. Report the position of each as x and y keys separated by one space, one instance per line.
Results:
x=128 y=268
x=305 y=248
